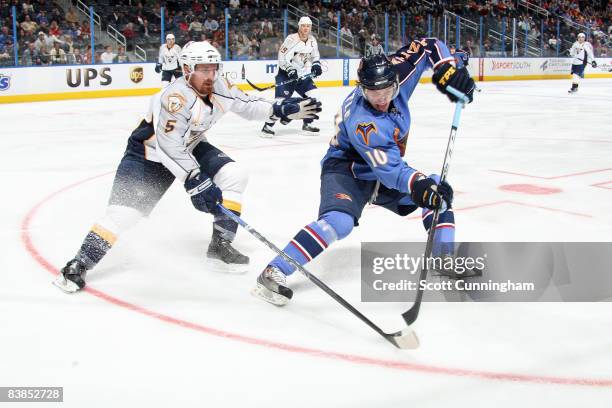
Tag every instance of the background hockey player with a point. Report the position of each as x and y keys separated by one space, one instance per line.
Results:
x=462 y=58
x=298 y=56
x=582 y=51
x=170 y=143
x=364 y=161
x=168 y=61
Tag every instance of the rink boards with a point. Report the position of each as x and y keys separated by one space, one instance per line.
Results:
x=30 y=84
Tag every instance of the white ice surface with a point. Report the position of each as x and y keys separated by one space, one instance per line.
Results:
x=226 y=348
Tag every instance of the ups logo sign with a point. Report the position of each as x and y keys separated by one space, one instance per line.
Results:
x=136 y=74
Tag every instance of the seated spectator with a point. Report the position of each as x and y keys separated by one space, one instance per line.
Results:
x=5 y=55
x=76 y=58
x=195 y=27
x=107 y=56
x=54 y=29
x=27 y=8
x=43 y=56
x=210 y=24
x=43 y=39
x=121 y=57
x=67 y=44
x=30 y=55
x=57 y=55
x=72 y=16
x=374 y=47
x=28 y=25
x=41 y=18
x=5 y=36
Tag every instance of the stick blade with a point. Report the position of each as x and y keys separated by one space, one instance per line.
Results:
x=405 y=339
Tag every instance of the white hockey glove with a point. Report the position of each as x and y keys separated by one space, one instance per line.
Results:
x=296 y=109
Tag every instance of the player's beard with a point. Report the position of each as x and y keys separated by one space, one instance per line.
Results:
x=200 y=84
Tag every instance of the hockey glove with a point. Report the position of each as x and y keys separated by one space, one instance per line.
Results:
x=158 y=67
x=459 y=78
x=292 y=73
x=205 y=195
x=296 y=109
x=426 y=194
x=594 y=64
x=316 y=69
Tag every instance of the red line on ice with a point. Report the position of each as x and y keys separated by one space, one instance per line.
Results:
x=33 y=251
x=582 y=173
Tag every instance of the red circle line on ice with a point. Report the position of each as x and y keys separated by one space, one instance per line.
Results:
x=33 y=251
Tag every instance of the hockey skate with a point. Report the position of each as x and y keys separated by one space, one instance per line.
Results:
x=267 y=132
x=574 y=89
x=272 y=287
x=223 y=257
x=309 y=129
x=71 y=278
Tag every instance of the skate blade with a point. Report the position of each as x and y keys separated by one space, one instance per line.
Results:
x=265 y=135
x=269 y=296
x=65 y=284
x=230 y=269
x=309 y=133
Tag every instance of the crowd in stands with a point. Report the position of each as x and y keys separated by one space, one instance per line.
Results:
x=47 y=34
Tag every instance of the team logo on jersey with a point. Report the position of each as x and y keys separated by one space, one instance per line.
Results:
x=364 y=129
x=5 y=82
x=400 y=142
x=136 y=74
x=342 y=196
x=175 y=102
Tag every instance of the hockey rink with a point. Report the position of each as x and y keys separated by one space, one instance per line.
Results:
x=156 y=328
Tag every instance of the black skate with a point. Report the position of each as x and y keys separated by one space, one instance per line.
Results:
x=574 y=89
x=307 y=127
x=266 y=131
x=272 y=287
x=223 y=257
x=72 y=277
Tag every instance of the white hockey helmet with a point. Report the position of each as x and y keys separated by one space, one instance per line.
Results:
x=170 y=37
x=581 y=35
x=200 y=52
x=305 y=21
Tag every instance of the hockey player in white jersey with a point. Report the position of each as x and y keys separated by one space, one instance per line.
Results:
x=297 y=57
x=168 y=61
x=170 y=143
x=582 y=51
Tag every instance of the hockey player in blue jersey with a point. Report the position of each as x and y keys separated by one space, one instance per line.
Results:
x=364 y=163
x=462 y=58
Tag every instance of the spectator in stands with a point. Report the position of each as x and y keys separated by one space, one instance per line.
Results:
x=5 y=36
x=234 y=4
x=195 y=27
x=27 y=8
x=30 y=55
x=41 y=18
x=210 y=24
x=43 y=56
x=28 y=25
x=121 y=56
x=346 y=32
x=107 y=56
x=374 y=47
x=71 y=16
x=54 y=29
x=43 y=40
x=67 y=44
x=5 y=55
x=77 y=57
x=57 y=54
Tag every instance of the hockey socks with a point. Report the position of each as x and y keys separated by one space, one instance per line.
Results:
x=307 y=244
x=96 y=244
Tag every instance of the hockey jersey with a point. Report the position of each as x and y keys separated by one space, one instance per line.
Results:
x=373 y=143
x=298 y=54
x=168 y=57
x=582 y=53
x=181 y=118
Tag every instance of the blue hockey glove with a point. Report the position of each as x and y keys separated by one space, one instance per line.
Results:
x=205 y=195
x=158 y=67
x=459 y=78
x=292 y=73
x=316 y=69
x=296 y=109
x=427 y=194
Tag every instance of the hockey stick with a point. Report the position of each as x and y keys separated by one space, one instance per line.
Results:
x=289 y=81
x=411 y=314
x=404 y=339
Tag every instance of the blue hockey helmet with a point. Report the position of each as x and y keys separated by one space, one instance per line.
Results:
x=377 y=72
